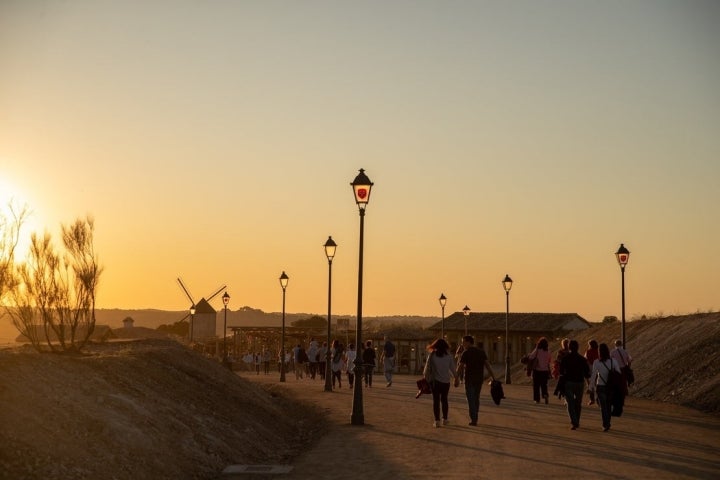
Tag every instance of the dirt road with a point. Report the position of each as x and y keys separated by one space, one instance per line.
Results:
x=515 y=440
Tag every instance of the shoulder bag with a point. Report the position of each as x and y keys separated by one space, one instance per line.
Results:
x=430 y=368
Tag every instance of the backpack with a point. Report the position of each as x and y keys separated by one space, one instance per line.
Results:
x=614 y=381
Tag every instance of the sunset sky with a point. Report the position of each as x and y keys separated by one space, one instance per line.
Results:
x=217 y=140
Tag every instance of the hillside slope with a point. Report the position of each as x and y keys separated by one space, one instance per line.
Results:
x=139 y=409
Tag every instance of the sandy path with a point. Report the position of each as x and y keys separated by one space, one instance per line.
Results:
x=517 y=439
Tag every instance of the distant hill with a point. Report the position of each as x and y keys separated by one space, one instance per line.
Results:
x=150 y=318
x=243 y=317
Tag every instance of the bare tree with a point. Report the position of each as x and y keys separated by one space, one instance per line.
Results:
x=54 y=295
x=10 y=226
x=83 y=262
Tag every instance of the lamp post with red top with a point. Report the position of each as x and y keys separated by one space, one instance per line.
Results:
x=622 y=255
x=361 y=186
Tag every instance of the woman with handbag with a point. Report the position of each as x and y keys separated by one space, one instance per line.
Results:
x=539 y=359
x=600 y=382
x=439 y=370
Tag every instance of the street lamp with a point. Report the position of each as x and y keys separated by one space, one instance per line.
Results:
x=443 y=301
x=507 y=285
x=330 y=247
x=361 y=189
x=283 y=283
x=226 y=300
x=466 y=312
x=623 y=255
x=192 y=321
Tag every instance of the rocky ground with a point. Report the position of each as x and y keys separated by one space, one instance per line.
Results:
x=154 y=409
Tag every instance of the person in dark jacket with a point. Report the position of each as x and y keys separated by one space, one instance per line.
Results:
x=574 y=370
x=471 y=367
x=368 y=357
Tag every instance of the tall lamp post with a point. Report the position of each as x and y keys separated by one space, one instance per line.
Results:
x=623 y=255
x=507 y=285
x=443 y=301
x=330 y=247
x=466 y=312
x=361 y=186
x=226 y=300
x=192 y=321
x=283 y=283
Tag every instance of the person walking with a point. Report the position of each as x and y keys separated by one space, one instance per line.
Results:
x=266 y=361
x=471 y=366
x=564 y=350
x=249 y=360
x=541 y=369
x=322 y=359
x=350 y=356
x=591 y=354
x=599 y=383
x=458 y=353
x=288 y=358
x=439 y=369
x=622 y=358
x=336 y=365
x=312 y=353
x=574 y=371
x=388 y=360
x=368 y=358
x=300 y=360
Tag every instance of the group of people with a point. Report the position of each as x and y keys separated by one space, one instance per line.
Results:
x=440 y=369
x=255 y=361
x=592 y=372
x=312 y=362
x=575 y=373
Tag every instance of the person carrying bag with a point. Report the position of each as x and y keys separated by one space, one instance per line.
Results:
x=439 y=370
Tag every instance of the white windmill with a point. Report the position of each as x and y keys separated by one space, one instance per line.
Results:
x=203 y=316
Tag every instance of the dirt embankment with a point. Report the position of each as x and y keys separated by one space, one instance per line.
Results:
x=143 y=409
